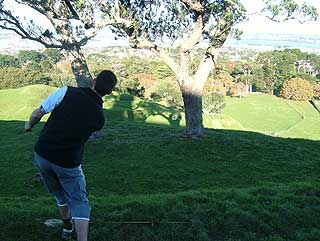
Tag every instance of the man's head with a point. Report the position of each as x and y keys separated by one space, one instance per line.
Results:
x=105 y=82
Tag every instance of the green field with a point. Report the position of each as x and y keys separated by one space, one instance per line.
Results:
x=275 y=116
x=148 y=183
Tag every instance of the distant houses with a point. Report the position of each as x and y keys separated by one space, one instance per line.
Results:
x=305 y=66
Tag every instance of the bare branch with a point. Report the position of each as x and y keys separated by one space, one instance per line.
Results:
x=39 y=40
x=20 y=30
x=194 y=36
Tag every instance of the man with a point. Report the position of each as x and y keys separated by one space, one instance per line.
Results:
x=75 y=114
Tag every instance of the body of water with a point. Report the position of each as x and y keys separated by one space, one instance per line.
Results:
x=12 y=43
x=278 y=41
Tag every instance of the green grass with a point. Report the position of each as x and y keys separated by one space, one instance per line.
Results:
x=232 y=185
x=275 y=116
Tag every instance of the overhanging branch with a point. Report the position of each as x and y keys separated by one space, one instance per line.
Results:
x=147 y=44
x=194 y=6
x=71 y=9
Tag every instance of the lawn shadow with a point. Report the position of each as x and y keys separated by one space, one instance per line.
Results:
x=140 y=171
x=129 y=108
x=137 y=157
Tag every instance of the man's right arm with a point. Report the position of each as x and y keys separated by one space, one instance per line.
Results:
x=47 y=106
x=35 y=118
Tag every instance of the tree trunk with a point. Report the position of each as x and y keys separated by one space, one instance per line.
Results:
x=192 y=98
x=80 y=68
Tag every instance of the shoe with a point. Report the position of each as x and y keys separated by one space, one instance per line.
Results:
x=67 y=233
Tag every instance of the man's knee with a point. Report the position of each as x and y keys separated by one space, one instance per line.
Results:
x=80 y=209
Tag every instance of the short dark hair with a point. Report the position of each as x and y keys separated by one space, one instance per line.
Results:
x=105 y=82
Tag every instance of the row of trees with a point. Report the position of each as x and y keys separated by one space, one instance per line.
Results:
x=146 y=77
x=32 y=67
x=41 y=61
x=267 y=71
x=72 y=23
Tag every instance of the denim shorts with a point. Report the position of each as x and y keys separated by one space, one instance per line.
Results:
x=67 y=185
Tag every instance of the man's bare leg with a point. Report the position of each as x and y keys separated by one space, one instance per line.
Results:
x=82 y=229
x=64 y=212
x=67 y=223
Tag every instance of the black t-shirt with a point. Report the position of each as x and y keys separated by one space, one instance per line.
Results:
x=69 y=126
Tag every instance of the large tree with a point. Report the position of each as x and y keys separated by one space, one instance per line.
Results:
x=68 y=26
x=151 y=24
x=277 y=66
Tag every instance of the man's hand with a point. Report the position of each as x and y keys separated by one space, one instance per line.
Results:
x=27 y=126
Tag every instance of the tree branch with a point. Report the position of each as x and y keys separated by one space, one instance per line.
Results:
x=195 y=35
x=189 y=43
x=97 y=28
x=194 y=6
x=71 y=9
x=66 y=42
x=32 y=38
x=217 y=39
x=147 y=44
x=19 y=29
x=39 y=8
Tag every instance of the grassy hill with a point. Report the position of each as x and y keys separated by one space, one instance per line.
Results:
x=146 y=182
x=275 y=116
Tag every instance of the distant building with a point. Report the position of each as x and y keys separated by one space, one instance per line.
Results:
x=305 y=66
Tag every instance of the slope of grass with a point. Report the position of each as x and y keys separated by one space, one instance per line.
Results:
x=272 y=115
x=16 y=104
x=261 y=113
x=146 y=182
x=308 y=127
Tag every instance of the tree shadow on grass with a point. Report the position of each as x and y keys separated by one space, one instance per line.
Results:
x=134 y=157
x=146 y=172
x=129 y=108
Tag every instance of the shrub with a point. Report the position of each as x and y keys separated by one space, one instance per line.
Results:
x=167 y=90
x=130 y=86
x=8 y=61
x=237 y=90
x=160 y=70
x=312 y=79
x=316 y=91
x=218 y=83
x=213 y=102
x=59 y=80
x=16 y=77
x=52 y=55
x=147 y=81
x=297 y=89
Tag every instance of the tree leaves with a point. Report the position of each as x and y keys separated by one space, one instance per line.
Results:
x=283 y=10
x=72 y=23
